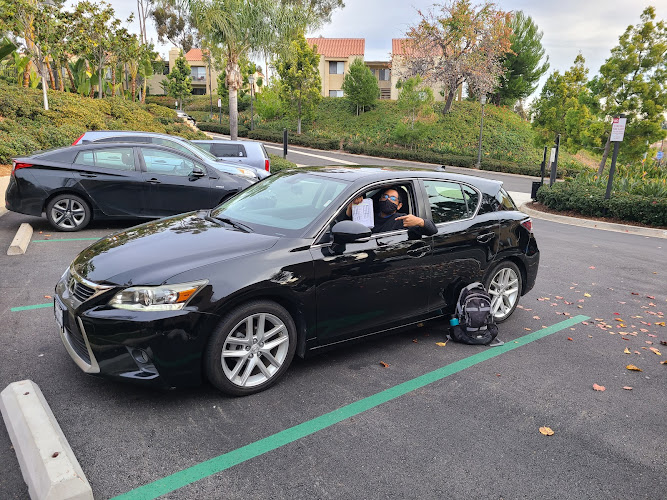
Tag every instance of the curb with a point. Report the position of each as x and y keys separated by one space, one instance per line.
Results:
x=20 y=243
x=47 y=462
x=605 y=226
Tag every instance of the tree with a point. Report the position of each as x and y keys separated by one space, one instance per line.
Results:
x=318 y=12
x=240 y=28
x=560 y=96
x=414 y=99
x=300 y=82
x=360 y=86
x=173 y=22
x=633 y=80
x=522 y=68
x=144 y=9
x=179 y=83
x=459 y=44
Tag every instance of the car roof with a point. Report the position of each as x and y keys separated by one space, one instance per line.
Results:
x=223 y=141
x=132 y=132
x=368 y=174
x=104 y=145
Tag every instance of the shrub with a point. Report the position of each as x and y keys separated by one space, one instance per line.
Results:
x=278 y=163
x=589 y=200
x=221 y=128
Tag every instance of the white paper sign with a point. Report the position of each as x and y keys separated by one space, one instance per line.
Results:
x=618 y=129
x=363 y=213
x=553 y=155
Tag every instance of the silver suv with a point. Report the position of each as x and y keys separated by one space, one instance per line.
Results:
x=248 y=153
x=174 y=142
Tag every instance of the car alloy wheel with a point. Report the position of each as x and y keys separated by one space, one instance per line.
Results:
x=252 y=349
x=68 y=213
x=504 y=287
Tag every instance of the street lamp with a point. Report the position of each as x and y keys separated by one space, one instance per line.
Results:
x=251 y=81
x=482 y=100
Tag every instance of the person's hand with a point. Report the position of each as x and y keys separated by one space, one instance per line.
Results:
x=411 y=220
x=356 y=201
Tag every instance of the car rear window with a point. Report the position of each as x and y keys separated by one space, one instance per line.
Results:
x=114 y=158
x=448 y=201
x=228 y=150
x=504 y=201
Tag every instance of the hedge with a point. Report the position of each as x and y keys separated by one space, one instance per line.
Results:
x=221 y=128
x=299 y=140
x=589 y=200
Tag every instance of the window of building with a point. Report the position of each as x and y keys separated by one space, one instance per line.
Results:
x=199 y=91
x=336 y=67
x=335 y=93
x=384 y=75
x=198 y=73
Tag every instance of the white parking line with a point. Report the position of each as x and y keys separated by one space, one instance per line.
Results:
x=344 y=162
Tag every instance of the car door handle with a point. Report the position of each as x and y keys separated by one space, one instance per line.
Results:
x=88 y=175
x=485 y=238
x=153 y=181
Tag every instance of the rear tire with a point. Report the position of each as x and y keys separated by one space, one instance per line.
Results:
x=68 y=212
x=504 y=285
x=251 y=349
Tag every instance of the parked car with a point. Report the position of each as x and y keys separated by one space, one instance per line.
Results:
x=246 y=152
x=186 y=117
x=233 y=293
x=171 y=141
x=76 y=184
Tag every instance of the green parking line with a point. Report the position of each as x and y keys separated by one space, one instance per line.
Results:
x=28 y=308
x=67 y=239
x=223 y=462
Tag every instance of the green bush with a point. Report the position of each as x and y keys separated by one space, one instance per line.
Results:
x=589 y=200
x=278 y=163
x=221 y=128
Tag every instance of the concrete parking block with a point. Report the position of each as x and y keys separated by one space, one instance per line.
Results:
x=21 y=241
x=47 y=462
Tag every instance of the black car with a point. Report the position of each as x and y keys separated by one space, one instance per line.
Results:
x=232 y=293
x=76 y=184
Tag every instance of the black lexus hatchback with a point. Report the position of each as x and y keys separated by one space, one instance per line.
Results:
x=233 y=293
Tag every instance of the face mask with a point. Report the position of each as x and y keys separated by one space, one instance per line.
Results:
x=387 y=207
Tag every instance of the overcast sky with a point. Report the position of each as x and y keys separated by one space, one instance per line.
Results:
x=570 y=26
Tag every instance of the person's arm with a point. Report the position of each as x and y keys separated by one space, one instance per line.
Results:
x=418 y=225
x=356 y=201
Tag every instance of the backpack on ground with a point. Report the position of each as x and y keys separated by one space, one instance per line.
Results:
x=473 y=322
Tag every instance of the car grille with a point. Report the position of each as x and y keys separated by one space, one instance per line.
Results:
x=78 y=343
x=80 y=291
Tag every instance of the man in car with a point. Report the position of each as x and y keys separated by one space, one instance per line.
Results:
x=388 y=217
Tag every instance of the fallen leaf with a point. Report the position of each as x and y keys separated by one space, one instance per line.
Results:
x=414 y=340
x=591 y=267
x=598 y=387
x=625 y=338
x=627 y=388
x=663 y=342
x=621 y=302
x=661 y=323
x=650 y=297
x=663 y=362
x=618 y=319
x=581 y=300
x=633 y=368
x=546 y=431
x=536 y=317
x=384 y=364
x=580 y=307
x=643 y=330
x=587 y=295
x=627 y=351
x=648 y=342
x=570 y=338
x=637 y=352
x=527 y=329
x=655 y=351
x=47 y=297
x=558 y=297
x=441 y=344
x=634 y=293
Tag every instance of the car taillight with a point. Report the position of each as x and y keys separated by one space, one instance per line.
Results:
x=528 y=224
x=20 y=165
x=267 y=164
x=77 y=141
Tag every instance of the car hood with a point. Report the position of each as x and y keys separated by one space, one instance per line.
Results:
x=151 y=253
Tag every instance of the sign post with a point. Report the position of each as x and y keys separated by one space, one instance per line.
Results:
x=617 y=132
x=220 y=110
x=554 y=161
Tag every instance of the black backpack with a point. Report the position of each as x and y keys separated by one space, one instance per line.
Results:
x=475 y=323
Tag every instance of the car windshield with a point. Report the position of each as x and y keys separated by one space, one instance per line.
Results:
x=282 y=204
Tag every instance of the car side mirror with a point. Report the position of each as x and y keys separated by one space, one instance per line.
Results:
x=349 y=231
x=198 y=172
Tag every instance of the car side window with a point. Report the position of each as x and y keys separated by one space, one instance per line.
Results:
x=472 y=199
x=226 y=150
x=447 y=201
x=113 y=158
x=170 y=144
x=165 y=162
x=503 y=201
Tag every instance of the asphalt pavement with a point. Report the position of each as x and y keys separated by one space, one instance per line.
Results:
x=472 y=432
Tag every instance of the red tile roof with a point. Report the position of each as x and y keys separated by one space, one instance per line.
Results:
x=338 y=47
x=194 y=55
x=399 y=47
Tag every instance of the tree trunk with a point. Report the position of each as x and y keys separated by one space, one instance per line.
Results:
x=71 y=78
x=113 y=80
x=42 y=72
x=134 y=88
x=605 y=154
x=233 y=114
x=143 y=95
x=26 y=76
x=61 y=78
x=450 y=99
x=100 y=82
x=52 y=79
x=298 y=123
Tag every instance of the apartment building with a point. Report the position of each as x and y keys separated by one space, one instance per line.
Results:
x=204 y=81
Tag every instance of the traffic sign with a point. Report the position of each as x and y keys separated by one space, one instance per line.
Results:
x=618 y=129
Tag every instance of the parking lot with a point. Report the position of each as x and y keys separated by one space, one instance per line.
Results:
x=393 y=417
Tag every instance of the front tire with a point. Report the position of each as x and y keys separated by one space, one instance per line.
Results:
x=251 y=349
x=504 y=285
x=68 y=212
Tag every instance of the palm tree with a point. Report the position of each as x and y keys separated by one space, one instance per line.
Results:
x=241 y=28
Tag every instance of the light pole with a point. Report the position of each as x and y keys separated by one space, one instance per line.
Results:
x=251 y=81
x=481 y=127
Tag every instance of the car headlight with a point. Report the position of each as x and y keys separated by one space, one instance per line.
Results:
x=157 y=298
x=247 y=173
